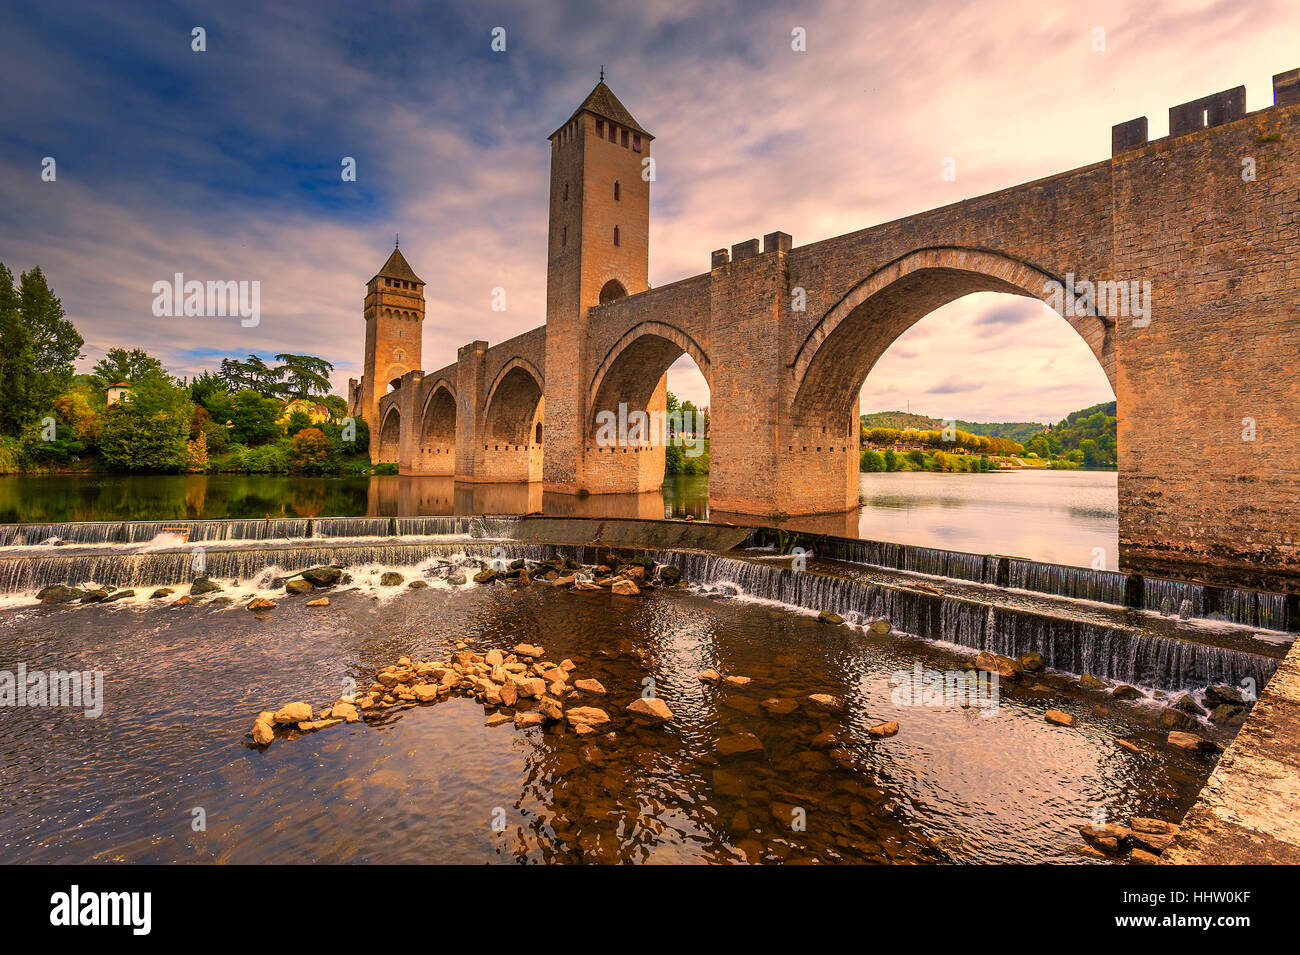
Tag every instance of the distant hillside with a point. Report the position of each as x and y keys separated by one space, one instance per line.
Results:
x=1020 y=431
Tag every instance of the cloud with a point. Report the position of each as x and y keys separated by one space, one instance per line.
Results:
x=225 y=164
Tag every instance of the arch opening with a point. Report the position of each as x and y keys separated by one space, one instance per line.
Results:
x=511 y=445
x=390 y=437
x=612 y=291
x=960 y=369
x=640 y=431
x=437 y=448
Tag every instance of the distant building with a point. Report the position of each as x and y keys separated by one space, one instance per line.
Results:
x=117 y=392
x=317 y=412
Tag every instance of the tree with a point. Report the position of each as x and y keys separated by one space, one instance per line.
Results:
x=38 y=346
x=311 y=451
x=119 y=365
x=196 y=454
x=252 y=375
x=338 y=407
x=255 y=420
x=205 y=387
x=303 y=375
x=149 y=429
x=871 y=460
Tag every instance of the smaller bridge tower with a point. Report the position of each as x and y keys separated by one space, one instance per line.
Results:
x=394 y=313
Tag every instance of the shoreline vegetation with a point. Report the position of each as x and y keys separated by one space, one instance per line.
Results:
x=901 y=441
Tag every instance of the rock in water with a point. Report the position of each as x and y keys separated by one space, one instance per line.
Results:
x=1032 y=662
x=390 y=578
x=830 y=616
x=297 y=712
x=299 y=586
x=880 y=627
x=486 y=575
x=594 y=687
x=204 y=585
x=739 y=744
x=319 y=602
x=322 y=576
x=58 y=594
x=591 y=717
x=1059 y=718
x=650 y=709
x=882 y=730
x=625 y=588
x=261 y=603
x=1005 y=667
x=264 y=729
x=710 y=676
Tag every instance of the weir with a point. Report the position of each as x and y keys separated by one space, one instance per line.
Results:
x=1075 y=617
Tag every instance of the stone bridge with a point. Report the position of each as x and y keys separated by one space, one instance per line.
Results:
x=1207 y=389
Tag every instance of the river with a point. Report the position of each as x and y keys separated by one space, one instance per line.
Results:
x=1067 y=517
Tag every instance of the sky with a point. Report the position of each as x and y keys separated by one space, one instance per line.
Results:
x=225 y=163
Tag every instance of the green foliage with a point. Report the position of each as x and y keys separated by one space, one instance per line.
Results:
x=871 y=460
x=148 y=430
x=303 y=375
x=255 y=420
x=120 y=365
x=1017 y=431
x=38 y=346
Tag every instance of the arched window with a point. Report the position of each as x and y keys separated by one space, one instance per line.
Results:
x=616 y=235
x=616 y=197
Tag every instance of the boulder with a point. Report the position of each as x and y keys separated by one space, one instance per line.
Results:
x=1222 y=693
x=484 y=576
x=1032 y=662
x=299 y=586
x=264 y=729
x=418 y=585
x=534 y=687
x=1153 y=826
x=98 y=595
x=58 y=594
x=1126 y=692
x=781 y=707
x=710 y=676
x=119 y=595
x=161 y=592
x=1153 y=842
x=509 y=693
x=1110 y=838
x=319 y=602
x=1228 y=714
x=592 y=687
x=880 y=628
x=527 y=650
x=1172 y=719
x=390 y=578
x=204 y=585
x=591 y=717
x=457 y=579
x=345 y=711
x=297 y=712
x=739 y=744
x=650 y=709
x=261 y=603
x=669 y=575
x=1059 y=718
x=883 y=730
x=322 y=576
x=496 y=719
x=1005 y=667
x=1184 y=703
x=830 y=616
x=1090 y=682
x=550 y=709
x=425 y=692
x=737 y=680
x=184 y=600
x=1190 y=742
x=824 y=700
x=528 y=719
x=624 y=588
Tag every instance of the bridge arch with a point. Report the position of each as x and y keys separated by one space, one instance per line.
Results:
x=633 y=366
x=437 y=445
x=390 y=436
x=512 y=416
x=839 y=352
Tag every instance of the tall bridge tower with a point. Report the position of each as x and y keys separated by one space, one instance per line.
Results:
x=598 y=251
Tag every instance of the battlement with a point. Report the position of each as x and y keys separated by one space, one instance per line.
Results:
x=1217 y=109
x=772 y=242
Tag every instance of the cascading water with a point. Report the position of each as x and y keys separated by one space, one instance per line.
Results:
x=1074 y=646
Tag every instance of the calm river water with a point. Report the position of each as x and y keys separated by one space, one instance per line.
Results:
x=1057 y=516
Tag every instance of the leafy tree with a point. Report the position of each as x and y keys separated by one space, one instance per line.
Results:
x=338 y=407
x=207 y=386
x=298 y=420
x=311 y=451
x=148 y=430
x=871 y=460
x=119 y=364
x=196 y=454
x=303 y=375
x=255 y=419
x=38 y=346
x=252 y=375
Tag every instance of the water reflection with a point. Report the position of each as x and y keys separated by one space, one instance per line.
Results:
x=1067 y=517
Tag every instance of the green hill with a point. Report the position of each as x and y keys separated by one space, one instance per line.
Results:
x=1019 y=431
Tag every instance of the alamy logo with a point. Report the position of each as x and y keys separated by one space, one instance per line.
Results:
x=947 y=688
x=81 y=689
x=75 y=907
x=1079 y=299
x=208 y=300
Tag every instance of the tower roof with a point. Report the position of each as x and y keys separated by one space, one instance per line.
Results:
x=602 y=102
x=397 y=268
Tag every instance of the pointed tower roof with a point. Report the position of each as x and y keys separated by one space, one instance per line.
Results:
x=397 y=268
x=602 y=102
